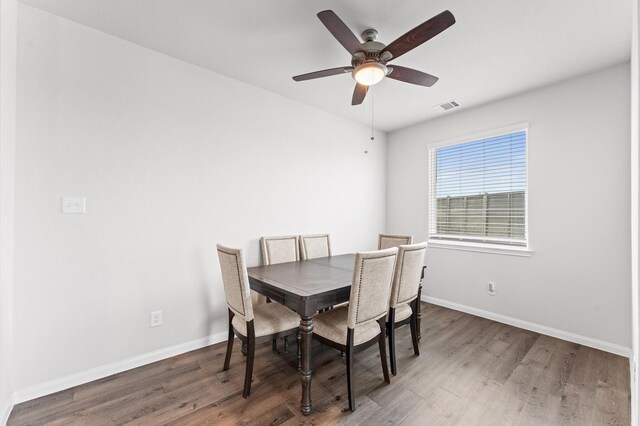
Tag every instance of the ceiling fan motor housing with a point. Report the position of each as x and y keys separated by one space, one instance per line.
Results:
x=371 y=53
x=369 y=35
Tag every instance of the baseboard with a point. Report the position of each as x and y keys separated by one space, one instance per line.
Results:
x=6 y=410
x=67 y=382
x=542 y=329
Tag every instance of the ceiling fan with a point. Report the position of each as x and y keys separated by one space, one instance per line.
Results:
x=369 y=59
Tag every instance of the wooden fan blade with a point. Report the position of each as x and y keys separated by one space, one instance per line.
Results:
x=409 y=75
x=340 y=31
x=420 y=34
x=359 y=93
x=323 y=73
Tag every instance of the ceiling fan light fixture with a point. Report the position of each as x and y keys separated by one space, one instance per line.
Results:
x=369 y=73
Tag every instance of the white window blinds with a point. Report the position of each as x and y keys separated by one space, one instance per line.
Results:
x=478 y=190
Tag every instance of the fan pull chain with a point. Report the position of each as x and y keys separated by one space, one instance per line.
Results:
x=366 y=145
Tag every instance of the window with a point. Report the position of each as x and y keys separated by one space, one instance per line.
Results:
x=478 y=190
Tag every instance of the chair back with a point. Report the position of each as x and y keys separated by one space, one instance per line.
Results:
x=236 y=281
x=386 y=241
x=371 y=287
x=314 y=246
x=406 y=278
x=280 y=249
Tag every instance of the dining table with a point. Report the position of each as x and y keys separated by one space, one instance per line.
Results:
x=306 y=287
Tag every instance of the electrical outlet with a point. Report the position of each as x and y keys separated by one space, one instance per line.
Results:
x=491 y=288
x=156 y=318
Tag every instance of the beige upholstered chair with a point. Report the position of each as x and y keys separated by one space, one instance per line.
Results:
x=285 y=248
x=279 y=249
x=252 y=325
x=314 y=246
x=387 y=240
x=362 y=323
x=403 y=304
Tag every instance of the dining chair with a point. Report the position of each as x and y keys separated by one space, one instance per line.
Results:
x=315 y=246
x=279 y=249
x=403 y=303
x=251 y=324
x=361 y=324
x=389 y=240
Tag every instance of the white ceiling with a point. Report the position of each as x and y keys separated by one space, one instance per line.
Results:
x=496 y=48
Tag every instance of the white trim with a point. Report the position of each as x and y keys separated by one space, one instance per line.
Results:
x=8 y=69
x=67 y=382
x=635 y=212
x=6 y=410
x=481 y=247
x=489 y=133
x=542 y=329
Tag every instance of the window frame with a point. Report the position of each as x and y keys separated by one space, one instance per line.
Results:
x=471 y=243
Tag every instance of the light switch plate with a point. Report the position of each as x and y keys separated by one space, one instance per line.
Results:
x=74 y=205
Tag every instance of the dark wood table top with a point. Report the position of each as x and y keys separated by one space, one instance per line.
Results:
x=307 y=285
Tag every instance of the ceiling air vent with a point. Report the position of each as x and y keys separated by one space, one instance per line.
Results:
x=447 y=106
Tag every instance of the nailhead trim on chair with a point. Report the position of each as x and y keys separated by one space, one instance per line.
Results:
x=266 y=255
x=304 y=251
x=400 y=278
x=244 y=309
x=359 y=290
x=360 y=287
x=400 y=240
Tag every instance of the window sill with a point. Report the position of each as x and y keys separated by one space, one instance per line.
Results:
x=481 y=248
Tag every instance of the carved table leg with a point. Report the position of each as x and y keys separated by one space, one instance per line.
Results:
x=298 y=350
x=274 y=342
x=306 y=333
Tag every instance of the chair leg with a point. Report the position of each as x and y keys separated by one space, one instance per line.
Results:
x=391 y=331
x=286 y=345
x=413 y=322
x=383 y=351
x=350 y=391
x=227 y=358
x=251 y=349
x=419 y=306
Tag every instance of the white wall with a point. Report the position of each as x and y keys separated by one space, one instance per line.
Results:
x=172 y=160
x=576 y=284
x=8 y=40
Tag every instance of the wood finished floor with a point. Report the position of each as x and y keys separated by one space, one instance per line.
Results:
x=471 y=371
